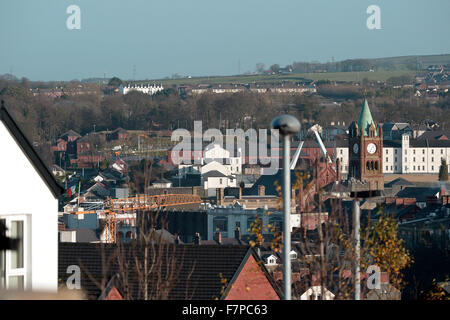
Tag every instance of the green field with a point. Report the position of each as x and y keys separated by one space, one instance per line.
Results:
x=387 y=67
x=297 y=77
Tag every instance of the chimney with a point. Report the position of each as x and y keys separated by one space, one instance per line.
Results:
x=197 y=238
x=237 y=233
x=442 y=192
x=338 y=170
x=261 y=190
x=218 y=237
x=219 y=195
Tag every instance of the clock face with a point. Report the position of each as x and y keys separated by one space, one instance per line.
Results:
x=355 y=148
x=371 y=148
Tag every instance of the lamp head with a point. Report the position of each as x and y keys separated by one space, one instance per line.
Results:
x=286 y=124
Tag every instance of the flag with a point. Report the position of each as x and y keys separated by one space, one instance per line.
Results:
x=73 y=189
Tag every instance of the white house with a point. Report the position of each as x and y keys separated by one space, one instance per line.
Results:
x=315 y=293
x=29 y=209
x=215 y=154
x=147 y=89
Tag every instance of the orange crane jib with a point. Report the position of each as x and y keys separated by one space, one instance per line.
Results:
x=126 y=205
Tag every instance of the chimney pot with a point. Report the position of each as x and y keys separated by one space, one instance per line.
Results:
x=197 y=238
x=218 y=237
x=261 y=190
x=237 y=233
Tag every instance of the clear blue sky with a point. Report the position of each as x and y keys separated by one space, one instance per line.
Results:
x=208 y=37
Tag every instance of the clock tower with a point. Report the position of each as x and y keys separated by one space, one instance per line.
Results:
x=366 y=152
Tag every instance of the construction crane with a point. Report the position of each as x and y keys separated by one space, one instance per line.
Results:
x=314 y=129
x=116 y=207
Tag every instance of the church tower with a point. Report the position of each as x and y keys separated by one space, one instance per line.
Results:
x=366 y=152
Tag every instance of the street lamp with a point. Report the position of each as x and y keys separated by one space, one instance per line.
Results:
x=287 y=126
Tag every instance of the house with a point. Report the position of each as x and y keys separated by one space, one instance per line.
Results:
x=29 y=211
x=315 y=293
x=162 y=183
x=395 y=130
x=228 y=272
x=119 y=134
x=212 y=180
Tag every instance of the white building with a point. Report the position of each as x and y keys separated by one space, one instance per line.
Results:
x=415 y=156
x=218 y=169
x=147 y=89
x=29 y=209
x=315 y=293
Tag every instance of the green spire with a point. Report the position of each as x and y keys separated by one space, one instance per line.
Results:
x=365 y=118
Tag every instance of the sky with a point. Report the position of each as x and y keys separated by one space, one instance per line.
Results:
x=208 y=37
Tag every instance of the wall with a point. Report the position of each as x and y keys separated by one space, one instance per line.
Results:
x=22 y=191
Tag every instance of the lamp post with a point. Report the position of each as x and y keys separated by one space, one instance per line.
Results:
x=357 y=244
x=287 y=126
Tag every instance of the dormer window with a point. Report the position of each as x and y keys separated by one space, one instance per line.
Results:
x=293 y=255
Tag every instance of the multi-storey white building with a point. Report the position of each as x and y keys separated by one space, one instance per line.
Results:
x=415 y=156
x=147 y=89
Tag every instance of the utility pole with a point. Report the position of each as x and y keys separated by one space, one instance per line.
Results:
x=357 y=244
x=287 y=126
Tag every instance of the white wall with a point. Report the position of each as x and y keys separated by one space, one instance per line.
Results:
x=23 y=192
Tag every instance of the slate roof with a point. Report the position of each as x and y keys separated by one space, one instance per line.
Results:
x=434 y=135
x=398 y=182
x=29 y=152
x=215 y=174
x=202 y=263
x=419 y=193
x=268 y=181
x=71 y=133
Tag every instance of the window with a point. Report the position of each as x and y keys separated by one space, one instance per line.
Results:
x=220 y=223
x=432 y=168
x=406 y=151
x=293 y=255
x=220 y=181
x=395 y=168
x=395 y=151
x=387 y=151
x=276 y=222
x=387 y=159
x=387 y=168
x=432 y=151
x=423 y=159
x=414 y=167
x=14 y=264
x=414 y=159
x=395 y=159
x=414 y=151
x=341 y=151
x=423 y=151
x=423 y=168
x=442 y=151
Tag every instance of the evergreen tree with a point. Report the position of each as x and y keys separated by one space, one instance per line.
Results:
x=443 y=171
